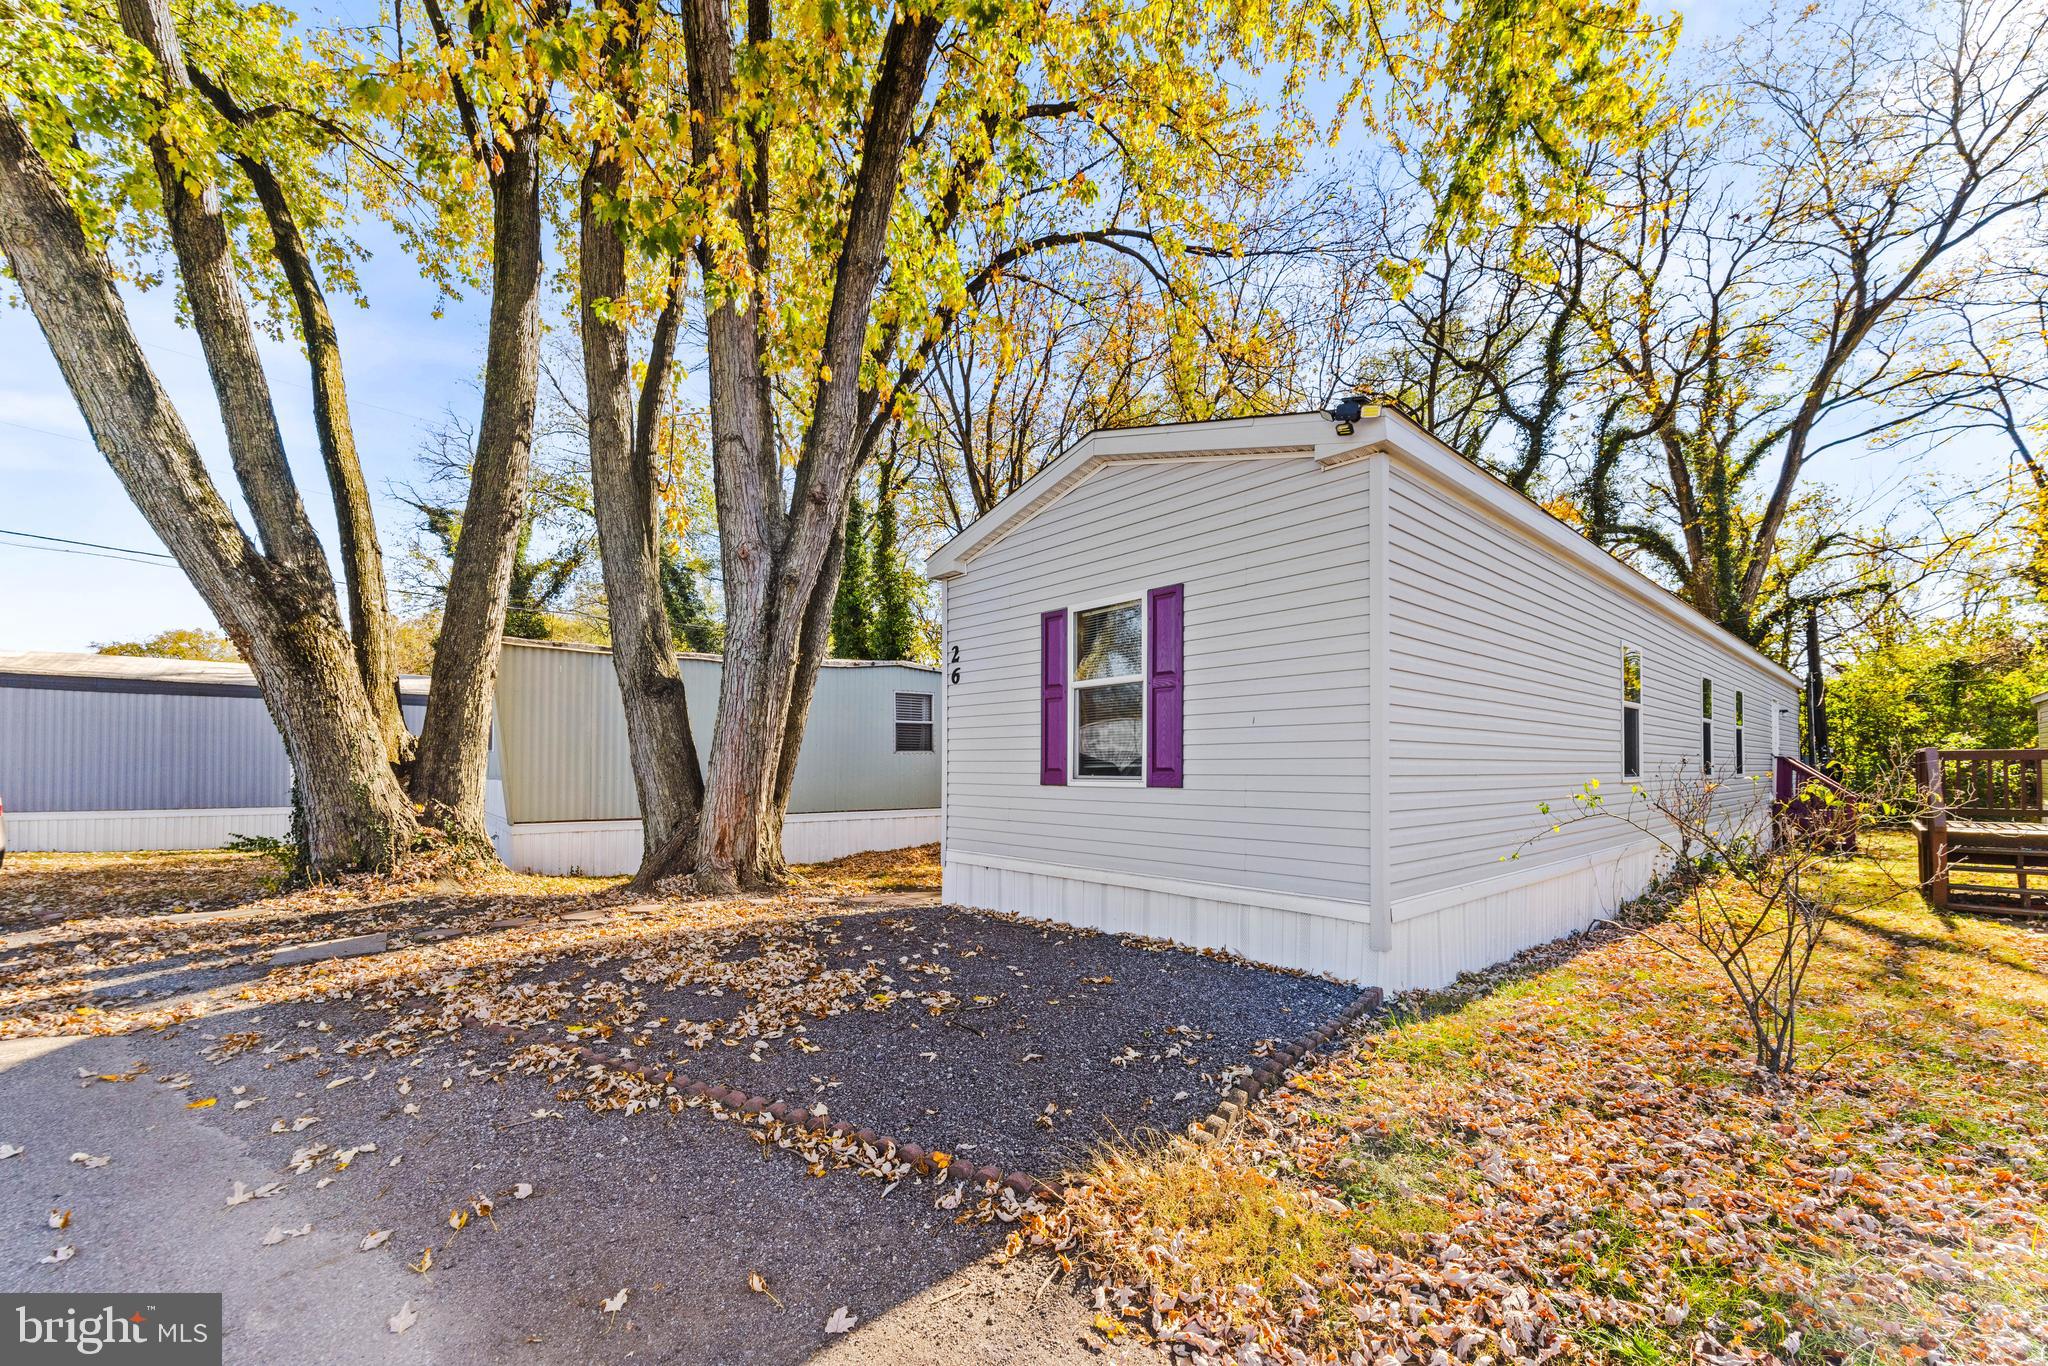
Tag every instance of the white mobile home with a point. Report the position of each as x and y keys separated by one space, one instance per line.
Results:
x=1296 y=687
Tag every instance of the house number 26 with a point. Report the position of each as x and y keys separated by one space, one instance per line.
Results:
x=953 y=662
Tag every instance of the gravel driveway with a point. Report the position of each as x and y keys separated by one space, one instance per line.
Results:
x=1012 y=1043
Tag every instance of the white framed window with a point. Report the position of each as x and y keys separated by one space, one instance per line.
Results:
x=1739 y=756
x=1108 y=675
x=1631 y=713
x=1707 y=726
x=913 y=723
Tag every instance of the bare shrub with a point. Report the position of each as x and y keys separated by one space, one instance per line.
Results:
x=1749 y=888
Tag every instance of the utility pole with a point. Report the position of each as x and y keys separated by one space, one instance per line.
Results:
x=1818 y=752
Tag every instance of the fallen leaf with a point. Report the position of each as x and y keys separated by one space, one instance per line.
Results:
x=278 y=1234
x=841 y=1321
x=615 y=1303
x=88 y=1160
x=521 y=1191
x=425 y=1263
x=206 y=1104
x=405 y=1318
x=60 y=1218
x=375 y=1240
x=62 y=1254
x=11 y=1150
x=759 y=1286
x=1108 y=1326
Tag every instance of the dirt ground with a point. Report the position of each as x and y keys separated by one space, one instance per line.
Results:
x=525 y=1188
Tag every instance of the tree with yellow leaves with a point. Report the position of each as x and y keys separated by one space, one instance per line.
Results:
x=835 y=187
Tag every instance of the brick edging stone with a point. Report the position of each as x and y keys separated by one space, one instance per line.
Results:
x=1271 y=1073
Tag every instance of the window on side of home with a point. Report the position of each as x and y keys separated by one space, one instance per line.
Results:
x=1739 y=756
x=1631 y=714
x=1109 y=691
x=1707 y=725
x=913 y=723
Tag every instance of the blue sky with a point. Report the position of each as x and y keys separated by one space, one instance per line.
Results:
x=406 y=369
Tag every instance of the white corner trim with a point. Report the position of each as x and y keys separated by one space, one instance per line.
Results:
x=1338 y=459
x=1379 y=698
x=1332 y=908
x=1523 y=875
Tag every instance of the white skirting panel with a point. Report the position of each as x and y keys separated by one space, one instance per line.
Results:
x=607 y=848
x=1447 y=933
x=597 y=848
x=1488 y=921
x=88 y=832
x=1315 y=934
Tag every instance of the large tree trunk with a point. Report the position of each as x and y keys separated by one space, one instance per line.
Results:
x=774 y=554
x=454 y=746
x=281 y=612
x=362 y=558
x=622 y=483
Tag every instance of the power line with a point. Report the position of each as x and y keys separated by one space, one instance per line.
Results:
x=95 y=545
x=90 y=554
x=45 y=431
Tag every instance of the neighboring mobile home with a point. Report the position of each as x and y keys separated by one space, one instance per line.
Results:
x=1296 y=687
x=103 y=752
x=866 y=778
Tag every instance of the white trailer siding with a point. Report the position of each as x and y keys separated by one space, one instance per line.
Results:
x=1506 y=669
x=1276 y=701
x=1505 y=665
x=562 y=728
x=1390 y=661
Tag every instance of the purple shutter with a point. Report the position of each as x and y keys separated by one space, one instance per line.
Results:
x=1052 y=699
x=1163 y=688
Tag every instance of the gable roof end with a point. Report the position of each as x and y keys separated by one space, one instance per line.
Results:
x=1317 y=436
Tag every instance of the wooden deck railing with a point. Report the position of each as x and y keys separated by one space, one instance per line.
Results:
x=1983 y=839
x=1984 y=784
x=1808 y=799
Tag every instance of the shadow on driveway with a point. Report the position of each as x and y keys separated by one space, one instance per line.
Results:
x=1017 y=1044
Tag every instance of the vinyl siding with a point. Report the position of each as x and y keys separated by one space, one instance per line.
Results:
x=1505 y=692
x=81 y=749
x=562 y=736
x=1273 y=556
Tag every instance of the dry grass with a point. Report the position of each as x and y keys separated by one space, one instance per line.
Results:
x=915 y=869
x=45 y=887
x=1574 y=1155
